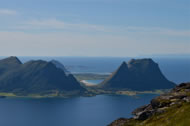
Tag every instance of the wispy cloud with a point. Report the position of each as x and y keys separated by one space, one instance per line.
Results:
x=45 y=24
x=74 y=44
x=159 y=30
x=7 y=12
x=55 y=24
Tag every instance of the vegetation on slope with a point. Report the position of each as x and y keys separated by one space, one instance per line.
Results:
x=177 y=115
x=171 y=109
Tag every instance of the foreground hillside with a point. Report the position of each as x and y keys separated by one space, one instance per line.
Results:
x=170 y=109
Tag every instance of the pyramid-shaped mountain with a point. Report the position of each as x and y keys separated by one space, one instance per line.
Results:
x=139 y=74
x=35 y=77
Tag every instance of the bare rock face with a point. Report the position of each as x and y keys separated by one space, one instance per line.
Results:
x=140 y=75
x=142 y=112
x=159 y=104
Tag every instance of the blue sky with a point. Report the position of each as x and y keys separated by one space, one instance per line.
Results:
x=94 y=27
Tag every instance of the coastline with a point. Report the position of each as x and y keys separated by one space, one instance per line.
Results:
x=90 y=93
x=86 y=83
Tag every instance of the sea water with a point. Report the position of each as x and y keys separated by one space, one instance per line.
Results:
x=99 y=110
x=85 y=111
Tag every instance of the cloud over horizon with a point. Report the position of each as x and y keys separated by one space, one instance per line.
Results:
x=72 y=44
x=54 y=24
x=107 y=28
x=7 y=12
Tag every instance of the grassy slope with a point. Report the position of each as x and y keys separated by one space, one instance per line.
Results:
x=177 y=115
x=7 y=94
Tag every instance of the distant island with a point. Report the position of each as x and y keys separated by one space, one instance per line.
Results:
x=38 y=78
x=138 y=75
x=169 y=109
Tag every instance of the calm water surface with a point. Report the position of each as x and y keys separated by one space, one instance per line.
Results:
x=80 y=111
x=94 y=82
x=85 y=111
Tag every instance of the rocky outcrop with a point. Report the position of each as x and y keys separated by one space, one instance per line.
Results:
x=177 y=96
x=139 y=75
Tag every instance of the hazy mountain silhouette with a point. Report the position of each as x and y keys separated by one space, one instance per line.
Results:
x=9 y=64
x=140 y=74
x=34 y=77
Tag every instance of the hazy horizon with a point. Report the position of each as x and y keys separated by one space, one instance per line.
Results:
x=138 y=56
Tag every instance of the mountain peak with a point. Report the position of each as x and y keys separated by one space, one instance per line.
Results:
x=12 y=60
x=138 y=74
x=123 y=65
x=141 y=61
x=143 y=65
x=35 y=76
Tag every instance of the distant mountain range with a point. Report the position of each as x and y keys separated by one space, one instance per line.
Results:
x=43 y=78
x=35 y=77
x=140 y=75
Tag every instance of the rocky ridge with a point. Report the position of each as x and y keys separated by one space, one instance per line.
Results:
x=176 y=98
